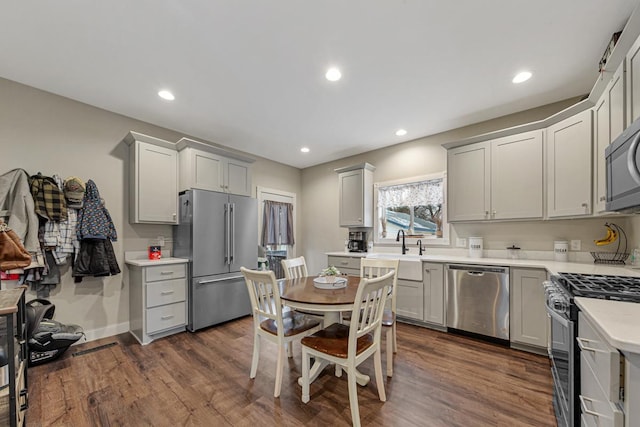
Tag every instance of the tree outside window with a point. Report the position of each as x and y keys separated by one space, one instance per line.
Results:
x=416 y=206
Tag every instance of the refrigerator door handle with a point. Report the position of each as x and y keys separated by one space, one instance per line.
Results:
x=204 y=282
x=226 y=233
x=232 y=238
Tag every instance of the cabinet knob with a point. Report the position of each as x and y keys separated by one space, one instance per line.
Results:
x=426 y=270
x=603 y=198
x=359 y=219
x=494 y=213
x=486 y=213
x=585 y=205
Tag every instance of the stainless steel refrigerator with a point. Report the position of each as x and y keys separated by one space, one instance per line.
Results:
x=218 y=233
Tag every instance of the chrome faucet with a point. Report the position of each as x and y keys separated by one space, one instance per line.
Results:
x=404 y=246
x=419 y=243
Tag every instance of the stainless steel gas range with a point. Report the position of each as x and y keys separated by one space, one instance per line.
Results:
x=563 y=348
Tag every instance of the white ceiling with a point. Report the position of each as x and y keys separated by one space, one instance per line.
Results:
x=250 y=74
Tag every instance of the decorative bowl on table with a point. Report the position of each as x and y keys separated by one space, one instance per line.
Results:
x=330 y=282
x=330 y=278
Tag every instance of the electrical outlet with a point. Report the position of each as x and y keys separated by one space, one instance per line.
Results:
x=160 y=240
x=575 y=245
x=461 y=242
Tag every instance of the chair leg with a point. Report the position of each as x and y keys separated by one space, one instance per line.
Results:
x=377 y=362
x=279 y=370
x=353 y=396
x=305 y=375
x=256 y=356
x=289 y=349
x=389 y=351
x=338 y=371
x=395 y=338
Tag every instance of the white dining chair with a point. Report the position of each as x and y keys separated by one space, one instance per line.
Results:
x=349 y=345
x=371 y=267
x=271 y=323
x=294 y=268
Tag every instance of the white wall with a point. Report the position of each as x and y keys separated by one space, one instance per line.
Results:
x=42 y=132
x=424 y=156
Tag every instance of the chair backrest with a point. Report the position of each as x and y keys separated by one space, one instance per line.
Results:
x=374 y=267
x=265 y=295
x=294 y=268
x=366 y=316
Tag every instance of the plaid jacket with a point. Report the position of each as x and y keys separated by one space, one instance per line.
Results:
x=48 y=199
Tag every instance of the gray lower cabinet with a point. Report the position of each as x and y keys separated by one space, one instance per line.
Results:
x=433 y=280
x=157 y=301
x=410 y=299
x=600 y=375
x=346 y=264
x=529 y=321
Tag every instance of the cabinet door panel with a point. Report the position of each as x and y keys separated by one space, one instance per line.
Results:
x=409 y=299
x=157 y=184
x=238 y=178
x=207 y=171
x=633 y=81
x=569 y=166
x=516 y=176
x=351 y=198
x=434 y=293
x=529 y=321
x=468 y=182
x=601 y=133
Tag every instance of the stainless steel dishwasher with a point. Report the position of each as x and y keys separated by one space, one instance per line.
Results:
x=478 y=299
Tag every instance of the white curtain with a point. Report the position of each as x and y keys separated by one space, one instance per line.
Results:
x=412 y=194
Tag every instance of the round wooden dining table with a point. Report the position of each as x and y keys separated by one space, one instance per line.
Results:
x=301 y=294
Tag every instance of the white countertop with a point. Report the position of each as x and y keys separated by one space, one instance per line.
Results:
x=551 y=266
x=617 y=321
x=141 y=259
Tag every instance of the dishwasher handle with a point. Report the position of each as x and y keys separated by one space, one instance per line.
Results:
x=478 y=270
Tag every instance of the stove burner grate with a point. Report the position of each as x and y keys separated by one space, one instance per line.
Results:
x=622 y=288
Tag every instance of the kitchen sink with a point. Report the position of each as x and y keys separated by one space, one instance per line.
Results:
x=410 y=267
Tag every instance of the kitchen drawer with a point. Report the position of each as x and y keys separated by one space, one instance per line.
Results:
x=345 y=262
x=596 y=408
x=166 y=317
x=603 y=359
x=165 y=272
x=166 y=292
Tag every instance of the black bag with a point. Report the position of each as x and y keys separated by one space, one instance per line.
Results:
x=47 y=339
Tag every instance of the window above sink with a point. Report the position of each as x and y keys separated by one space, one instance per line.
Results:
x=416 y=205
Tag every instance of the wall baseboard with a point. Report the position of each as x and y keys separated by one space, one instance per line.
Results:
x=108 y=331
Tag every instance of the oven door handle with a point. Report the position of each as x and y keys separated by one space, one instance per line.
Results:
x=554 y=314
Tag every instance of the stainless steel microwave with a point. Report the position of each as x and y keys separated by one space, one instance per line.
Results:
x=622 y=158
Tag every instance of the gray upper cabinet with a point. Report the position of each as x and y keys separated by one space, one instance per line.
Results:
x=468 y=182
x=569 y=148
x=153 y=180
x=632 y=62
x=207 y=167
x=355 y=188
x=517 y=176
x=609 y=121
x=499 y=179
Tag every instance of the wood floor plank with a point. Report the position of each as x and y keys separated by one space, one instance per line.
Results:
x=202 y=379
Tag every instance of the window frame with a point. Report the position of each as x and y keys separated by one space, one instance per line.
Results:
x=426 y=240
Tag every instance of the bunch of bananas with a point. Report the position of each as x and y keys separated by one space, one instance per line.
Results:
x=612 y=236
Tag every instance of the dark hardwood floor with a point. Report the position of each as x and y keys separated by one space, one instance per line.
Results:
x=202 y=379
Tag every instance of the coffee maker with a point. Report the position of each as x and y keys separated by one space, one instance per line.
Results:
x=357 y=241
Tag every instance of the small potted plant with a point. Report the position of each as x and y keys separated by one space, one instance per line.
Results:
x=330 y=274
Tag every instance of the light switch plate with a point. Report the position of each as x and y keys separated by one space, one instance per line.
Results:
x=576 y=245
x=461 y=242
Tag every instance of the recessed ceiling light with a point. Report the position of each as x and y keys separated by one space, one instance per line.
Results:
x=401 y=132
x=333 y=74
x=305 y=149
x=165 y=94
x=522 y=77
